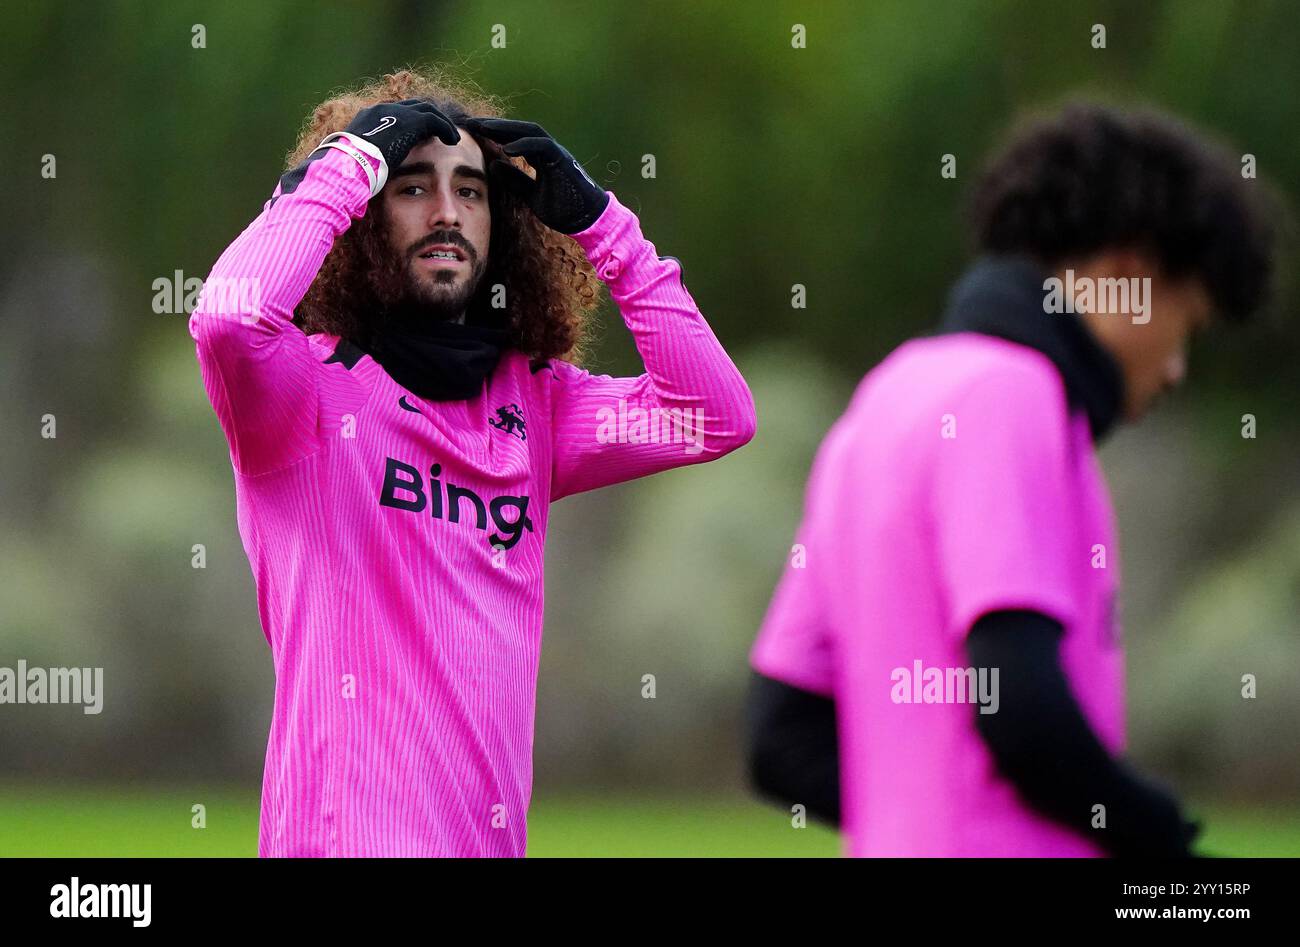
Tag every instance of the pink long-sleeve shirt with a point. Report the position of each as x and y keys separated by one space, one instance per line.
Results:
x=396 y=543
x=959 y=482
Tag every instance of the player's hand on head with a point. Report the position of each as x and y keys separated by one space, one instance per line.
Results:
x=397 y=127
x=563 y=196
x=388 y=132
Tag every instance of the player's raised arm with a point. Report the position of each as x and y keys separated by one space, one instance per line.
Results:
x=258 y=369
x=691 y=405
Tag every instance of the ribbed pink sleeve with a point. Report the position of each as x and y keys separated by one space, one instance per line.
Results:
x=258 y=368
x=607 y=430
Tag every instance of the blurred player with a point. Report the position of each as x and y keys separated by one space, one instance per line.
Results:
x=957 y=521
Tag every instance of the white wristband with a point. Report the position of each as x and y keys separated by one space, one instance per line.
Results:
x=357 y=149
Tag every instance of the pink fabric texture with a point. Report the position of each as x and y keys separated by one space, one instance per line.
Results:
x=397 y=544
x=908 y=538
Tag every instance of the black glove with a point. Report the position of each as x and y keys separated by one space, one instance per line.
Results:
x=1146 y=820
x=387 y=131
x=563 y=197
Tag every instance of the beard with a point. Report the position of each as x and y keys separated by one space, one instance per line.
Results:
x=442 y=296
x=402 y=290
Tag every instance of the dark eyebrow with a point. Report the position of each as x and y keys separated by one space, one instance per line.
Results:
x=466 y=171
x=412 y=168
x=426 y=167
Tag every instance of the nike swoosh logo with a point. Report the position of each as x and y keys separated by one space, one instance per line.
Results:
x=387 y=122
x=409 y=407
x=583 y=172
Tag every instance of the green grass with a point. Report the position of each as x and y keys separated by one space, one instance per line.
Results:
x=90 y=821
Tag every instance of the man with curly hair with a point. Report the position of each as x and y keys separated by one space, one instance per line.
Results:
x=401 y=405
x=957 y=535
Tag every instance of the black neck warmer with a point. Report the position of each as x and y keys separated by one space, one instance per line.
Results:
x=1003 y=297
x=436 y=360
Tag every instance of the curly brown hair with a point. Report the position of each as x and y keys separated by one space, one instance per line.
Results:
x=550 y=288
x=1091 y=176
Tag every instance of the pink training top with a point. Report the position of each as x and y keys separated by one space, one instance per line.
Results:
x=909 y=536
x=397 y=543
